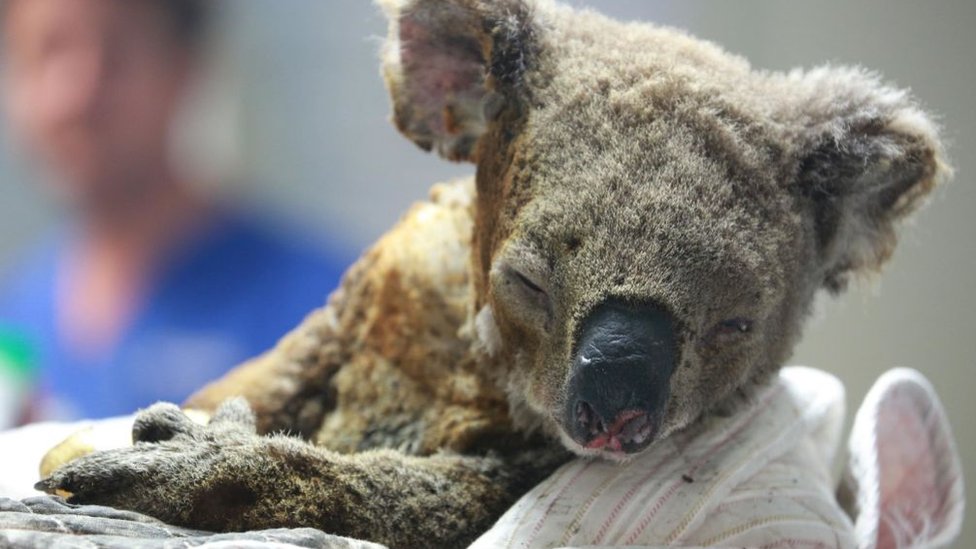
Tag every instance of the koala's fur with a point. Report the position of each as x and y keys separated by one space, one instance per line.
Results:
x=614 y=161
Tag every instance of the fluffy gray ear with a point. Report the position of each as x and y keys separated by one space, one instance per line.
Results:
x=450 y=65
x=868 y=157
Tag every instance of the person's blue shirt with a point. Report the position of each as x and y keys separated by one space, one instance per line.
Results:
x=227 y=297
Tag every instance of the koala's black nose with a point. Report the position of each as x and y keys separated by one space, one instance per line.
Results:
x=620 y=376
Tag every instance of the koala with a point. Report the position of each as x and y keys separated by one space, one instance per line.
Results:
x=648 y=225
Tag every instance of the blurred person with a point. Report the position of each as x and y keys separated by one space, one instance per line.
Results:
x=151 y=288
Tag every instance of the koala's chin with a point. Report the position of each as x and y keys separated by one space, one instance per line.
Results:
x=627 y=453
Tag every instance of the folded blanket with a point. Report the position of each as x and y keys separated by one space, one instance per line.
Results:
x=759 y=478
x=48 y=521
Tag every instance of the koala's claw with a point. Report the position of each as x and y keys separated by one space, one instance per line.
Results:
x=235 y=411
x=91 y=478
x=164 y=421
x=161 y=421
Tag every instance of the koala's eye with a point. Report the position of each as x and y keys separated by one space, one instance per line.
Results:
x=526 y=294
x=523 y=293
x=527 y=282
x=730 y=328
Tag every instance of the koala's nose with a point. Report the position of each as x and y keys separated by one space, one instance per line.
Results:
x=621 y=376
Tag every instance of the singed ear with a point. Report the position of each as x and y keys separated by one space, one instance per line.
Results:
x=904 y=468
x=447 y=62
x=867 y=157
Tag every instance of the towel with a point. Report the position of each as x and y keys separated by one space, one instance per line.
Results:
x=758 y=478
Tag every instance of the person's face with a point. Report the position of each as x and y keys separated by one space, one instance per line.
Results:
x=92 y=86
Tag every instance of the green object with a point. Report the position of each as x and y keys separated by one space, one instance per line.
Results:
x=17 y=355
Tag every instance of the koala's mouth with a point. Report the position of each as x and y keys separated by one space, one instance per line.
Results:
x=630 y=432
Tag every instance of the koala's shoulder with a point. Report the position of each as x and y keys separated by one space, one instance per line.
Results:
x=428 y=249
x=409 y=380
x=411 y=290
x=414 y=281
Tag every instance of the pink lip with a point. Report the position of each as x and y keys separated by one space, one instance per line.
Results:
x=609 y=439
x=604 y=440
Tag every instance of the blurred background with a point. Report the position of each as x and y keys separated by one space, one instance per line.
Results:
x=291 y=120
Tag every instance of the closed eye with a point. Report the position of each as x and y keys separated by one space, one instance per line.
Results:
x=527 y=282
x=524 y=296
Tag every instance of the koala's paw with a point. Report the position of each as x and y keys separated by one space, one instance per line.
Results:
x=177 y=470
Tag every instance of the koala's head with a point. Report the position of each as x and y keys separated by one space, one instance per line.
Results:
x=653 y=217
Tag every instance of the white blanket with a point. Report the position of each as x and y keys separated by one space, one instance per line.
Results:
x=760 y=478
x=21 y=449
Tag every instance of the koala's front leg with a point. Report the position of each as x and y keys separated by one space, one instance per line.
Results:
x=224 y=477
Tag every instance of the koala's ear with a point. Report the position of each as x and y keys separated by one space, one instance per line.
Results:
x=867 y=157
x=447 y=62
